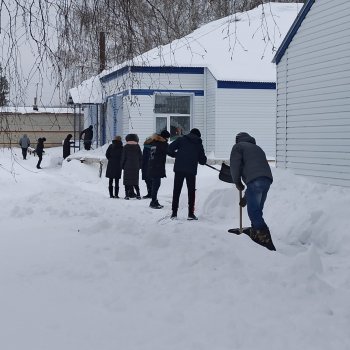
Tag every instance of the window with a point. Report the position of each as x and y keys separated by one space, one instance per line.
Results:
x=172 y=104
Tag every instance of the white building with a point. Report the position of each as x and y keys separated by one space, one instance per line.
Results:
x=219 y=79
x=313 y=93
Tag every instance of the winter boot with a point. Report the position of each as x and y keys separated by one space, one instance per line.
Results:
x=137 y=188
x=116 y=192
x=191 y=216
x=110 y=188
x=262 y=237
x=174 y=215
x=127 y=191
x=155 y=205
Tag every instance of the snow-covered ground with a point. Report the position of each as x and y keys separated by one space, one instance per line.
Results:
x=81 y=271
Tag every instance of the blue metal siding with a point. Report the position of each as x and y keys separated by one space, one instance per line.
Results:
x=245 y=85
x=150 y=92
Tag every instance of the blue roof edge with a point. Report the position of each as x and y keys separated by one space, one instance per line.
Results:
x=292 y=31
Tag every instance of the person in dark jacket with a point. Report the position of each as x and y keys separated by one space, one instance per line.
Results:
x=66 y=146
x=40 y=150
x=188 y=151
x=248 y=163
x=24 y=142
x=145 y=162
x=88 y=136
x=114 y=169
x=156 y=164
x=131 y=164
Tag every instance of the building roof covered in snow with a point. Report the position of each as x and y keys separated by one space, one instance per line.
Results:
x=239 y=47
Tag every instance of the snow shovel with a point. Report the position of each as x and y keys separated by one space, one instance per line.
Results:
x=240 y=230
x=224 y=172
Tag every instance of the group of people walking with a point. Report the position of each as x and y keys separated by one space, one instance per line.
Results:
x=187 y=150
x=24 y=142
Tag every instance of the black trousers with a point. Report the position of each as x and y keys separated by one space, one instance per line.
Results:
x=24 y=152
x=40 y=156
x=116 y=182
x=191 y=190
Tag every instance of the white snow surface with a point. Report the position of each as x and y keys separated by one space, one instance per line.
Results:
x=79 y=270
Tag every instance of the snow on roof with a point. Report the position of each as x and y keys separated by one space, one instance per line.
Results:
x=29 y=110
x=239 y=47
x=89 y=91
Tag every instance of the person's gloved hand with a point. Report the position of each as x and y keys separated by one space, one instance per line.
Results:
x=243 y=202
x=240 y=186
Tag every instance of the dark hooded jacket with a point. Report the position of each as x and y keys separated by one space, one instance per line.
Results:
x=145 y=158
x=157 y=156
x=188 y=151
x=88 y=133
x=66 y=146
x=40 y=146
x=114 y=156
x=248 y=161
x=131 y=163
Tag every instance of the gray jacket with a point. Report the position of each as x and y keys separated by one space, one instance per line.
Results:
x=248 y=161
x=24 y=141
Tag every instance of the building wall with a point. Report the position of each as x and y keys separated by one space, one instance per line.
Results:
x=139 y=116
x=54 y=127
x=210 y=112
x=313 y=96
x=245 y=110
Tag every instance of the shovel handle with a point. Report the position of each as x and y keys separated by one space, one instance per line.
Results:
x=212 y=167
x=240 y=213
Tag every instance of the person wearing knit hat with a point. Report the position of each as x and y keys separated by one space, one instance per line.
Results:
x=188 y=152
x=195 y=131
x=114 y=170
x=40 y=150
x=131 y=164
x=156 y=164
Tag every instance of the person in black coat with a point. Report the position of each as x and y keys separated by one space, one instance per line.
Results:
x=131 y=164
x=145 y=161
x=66 y=146
x=248 y=163
x=88 y=136
x=156 y=164
x=188 y=151
x=114 y=169
x=40 y=150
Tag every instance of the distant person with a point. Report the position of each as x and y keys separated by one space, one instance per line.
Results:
x=131 y=164
x=188 y=151
x=145 y=163
x=40 y=150
x=88 y=136
x=114 y=169
x=248 y=163
x=156 y=164
x=24 y=142
x=66 y=145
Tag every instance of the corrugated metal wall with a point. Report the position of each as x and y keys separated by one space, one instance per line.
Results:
x=313 y=96
x=245 y=110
